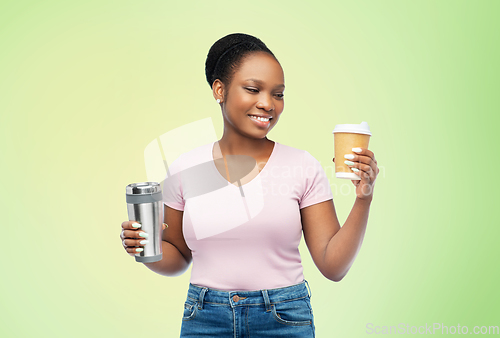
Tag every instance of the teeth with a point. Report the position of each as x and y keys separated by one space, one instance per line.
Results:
x=263 y=119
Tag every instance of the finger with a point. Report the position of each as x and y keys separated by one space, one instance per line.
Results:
x=364 y=152
x=131 y=225
x=363 y=168
x=134 y=234
x=365 y=176
x=134 y=243
x=357 y=158
x=133 y=246
x=133 y=251
x=366 y=160
x=362 y=174
x=130 y=229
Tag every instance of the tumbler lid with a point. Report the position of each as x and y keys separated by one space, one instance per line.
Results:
x=142 y=188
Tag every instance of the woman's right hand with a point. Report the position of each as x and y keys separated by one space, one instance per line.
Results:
x=133 y=238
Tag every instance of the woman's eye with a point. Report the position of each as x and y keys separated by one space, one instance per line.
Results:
x=253 y=90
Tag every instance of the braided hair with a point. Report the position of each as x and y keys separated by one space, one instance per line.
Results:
x=226 y=55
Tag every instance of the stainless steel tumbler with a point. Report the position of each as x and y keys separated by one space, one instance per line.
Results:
x=144 y=205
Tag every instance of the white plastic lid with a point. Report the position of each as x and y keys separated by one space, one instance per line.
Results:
x=361 y=128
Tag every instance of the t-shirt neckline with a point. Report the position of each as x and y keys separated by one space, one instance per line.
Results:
x=255 y=178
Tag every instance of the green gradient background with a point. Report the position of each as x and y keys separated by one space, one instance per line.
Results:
x=85 y=86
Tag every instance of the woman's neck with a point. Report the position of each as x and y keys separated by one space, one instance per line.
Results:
x=240 y=145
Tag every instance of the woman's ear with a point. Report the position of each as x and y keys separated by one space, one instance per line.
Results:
x=218 y=90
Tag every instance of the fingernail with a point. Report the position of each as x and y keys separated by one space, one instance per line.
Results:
x=139 y=249
x=355 y=169
x=136 y=225
x=356 y=150
x=144 y=242
x=143 y=234
x=349 y=156
x=349 y=162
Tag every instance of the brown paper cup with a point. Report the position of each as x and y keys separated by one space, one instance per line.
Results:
x=346 y=137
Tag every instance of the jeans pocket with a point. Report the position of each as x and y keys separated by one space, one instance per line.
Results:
x=294 y=312
x=190 y=309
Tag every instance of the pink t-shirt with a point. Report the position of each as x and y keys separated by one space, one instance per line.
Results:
x=245 y=238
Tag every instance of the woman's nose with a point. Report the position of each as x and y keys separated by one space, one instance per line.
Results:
x=266 y=103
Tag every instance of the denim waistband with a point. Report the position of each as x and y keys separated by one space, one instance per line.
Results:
x=239 y=298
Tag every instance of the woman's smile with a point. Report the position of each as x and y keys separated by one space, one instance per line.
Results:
x=260 y=121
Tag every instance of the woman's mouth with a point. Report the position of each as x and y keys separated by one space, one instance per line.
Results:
x=260 y=121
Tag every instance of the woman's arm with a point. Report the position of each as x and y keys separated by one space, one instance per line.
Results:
x=176 y=254
x=333 y=248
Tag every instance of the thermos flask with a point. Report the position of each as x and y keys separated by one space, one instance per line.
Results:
x=144 y=205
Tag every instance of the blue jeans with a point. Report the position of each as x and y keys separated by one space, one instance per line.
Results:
x=282 y=312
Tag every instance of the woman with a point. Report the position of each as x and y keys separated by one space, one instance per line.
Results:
x=243 y=235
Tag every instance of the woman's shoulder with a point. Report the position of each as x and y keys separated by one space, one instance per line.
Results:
x=297 y=156
x=293 y=153
x=290 y=150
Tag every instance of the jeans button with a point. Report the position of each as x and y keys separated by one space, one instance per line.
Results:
x=236 y=298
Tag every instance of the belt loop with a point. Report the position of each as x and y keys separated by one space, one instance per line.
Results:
x=266 y=300
x=202 y=295
x=309 y=289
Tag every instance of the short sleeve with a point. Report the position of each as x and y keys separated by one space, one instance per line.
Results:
x=172 y=187
x=315 y=184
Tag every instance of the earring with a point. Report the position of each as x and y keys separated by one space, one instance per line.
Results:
x=218 y=100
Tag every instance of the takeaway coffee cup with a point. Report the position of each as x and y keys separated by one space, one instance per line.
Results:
x=346 y=137
x=144 y=205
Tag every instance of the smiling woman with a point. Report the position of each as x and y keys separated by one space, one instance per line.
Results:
x=250 y=97
x=242 y=238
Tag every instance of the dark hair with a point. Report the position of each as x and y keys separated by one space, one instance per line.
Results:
x=226 y=55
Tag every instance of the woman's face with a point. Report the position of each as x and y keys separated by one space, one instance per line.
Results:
x=256 y=90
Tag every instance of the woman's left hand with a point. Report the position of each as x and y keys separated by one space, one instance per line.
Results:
x=365 y=162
